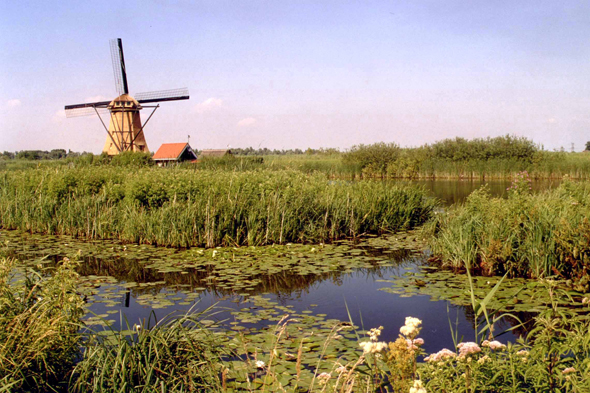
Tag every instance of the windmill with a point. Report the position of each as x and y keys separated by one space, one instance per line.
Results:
x=125 y=131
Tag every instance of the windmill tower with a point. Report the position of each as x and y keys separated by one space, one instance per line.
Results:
x=125 y=131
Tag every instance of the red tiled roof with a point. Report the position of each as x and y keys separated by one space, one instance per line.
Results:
x=169 y=151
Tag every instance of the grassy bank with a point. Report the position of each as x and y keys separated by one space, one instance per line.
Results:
x=525 y=235
x=183 y=207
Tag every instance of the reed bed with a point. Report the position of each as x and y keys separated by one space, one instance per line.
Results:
x=183 y=207
x=176 y=355
x=525 y=235
x=39 y=320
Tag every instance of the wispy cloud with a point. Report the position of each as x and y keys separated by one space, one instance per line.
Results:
x=209 y=104
x=550 y=120
x=248 y=121
x=13 y=103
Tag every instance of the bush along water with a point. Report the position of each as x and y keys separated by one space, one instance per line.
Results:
x=497 y=158
x=524 y=235
x=182 y=207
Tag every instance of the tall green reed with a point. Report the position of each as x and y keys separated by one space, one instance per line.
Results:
x=39 y=320
x=527 y=235
x=180 y=207
x=176 y=354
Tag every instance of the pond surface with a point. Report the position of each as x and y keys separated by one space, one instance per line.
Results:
x=378 y=282
x=454 y=191
x=252 y=288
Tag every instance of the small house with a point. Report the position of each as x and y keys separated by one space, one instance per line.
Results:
x=171 y=153
x=215 y=153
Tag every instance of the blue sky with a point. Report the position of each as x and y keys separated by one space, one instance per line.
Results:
x=297 y=74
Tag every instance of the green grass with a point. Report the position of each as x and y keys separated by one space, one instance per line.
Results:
x=183 y=207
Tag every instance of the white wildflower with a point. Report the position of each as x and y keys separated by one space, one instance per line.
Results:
x=375 y=333
x=372 y=347
x=260 y=364
x=411 y=327
x=417 y=388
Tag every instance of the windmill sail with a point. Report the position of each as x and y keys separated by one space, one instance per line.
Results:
x=125 y=130
x=163 y=95
x=86 y=109
x=119 y=66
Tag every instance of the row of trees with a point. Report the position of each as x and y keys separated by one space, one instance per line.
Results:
x=250 y=151
x=57 y=154
x=54 y=154
x=383 y=157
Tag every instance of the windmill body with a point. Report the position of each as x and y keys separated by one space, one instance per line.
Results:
x=125 y=131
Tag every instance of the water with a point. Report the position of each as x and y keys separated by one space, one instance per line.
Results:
x=339 y=293
x=450 y=192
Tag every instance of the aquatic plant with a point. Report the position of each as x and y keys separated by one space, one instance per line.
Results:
x=183 y=208
x=525 y=235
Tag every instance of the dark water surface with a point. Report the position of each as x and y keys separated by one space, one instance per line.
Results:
x=125 y=286
x=450 y=192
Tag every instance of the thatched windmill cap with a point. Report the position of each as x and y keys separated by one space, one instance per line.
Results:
x=124 y=100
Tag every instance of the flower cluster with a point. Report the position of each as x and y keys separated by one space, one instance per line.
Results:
x=521 y=184
x=417 y=388
x=411 y=327
x=372 y=347
x=414 y=344
x=493 y=345
x=440 y=355
x=375 y=333
x=468 y=348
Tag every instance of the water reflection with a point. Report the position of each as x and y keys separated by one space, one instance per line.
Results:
x=133 y=292
x=454 y=191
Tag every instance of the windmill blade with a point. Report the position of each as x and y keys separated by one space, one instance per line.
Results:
x=86 y=109
x=119 y=66
x=79 y=112
x=163 y=95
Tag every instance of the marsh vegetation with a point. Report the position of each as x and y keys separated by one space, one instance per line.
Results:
x=256 y=232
